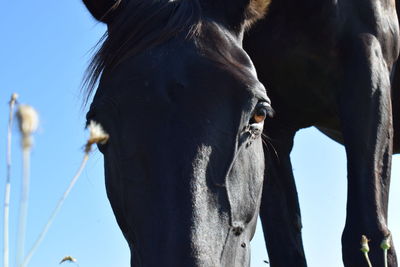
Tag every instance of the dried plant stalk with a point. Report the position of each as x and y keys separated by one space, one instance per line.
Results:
x=7 y=191
x=55 y=212
x=28 y=123
x=97 y=135
x=23 y=208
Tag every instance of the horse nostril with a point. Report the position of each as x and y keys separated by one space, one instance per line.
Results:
x=256 y=128
x=237 y=230
x=243 y=245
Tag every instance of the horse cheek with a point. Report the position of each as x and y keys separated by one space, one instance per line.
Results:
x=244 y=183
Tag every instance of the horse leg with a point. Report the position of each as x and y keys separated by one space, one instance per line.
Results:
x=366 y=119
x=279 y=211
x=396 y=106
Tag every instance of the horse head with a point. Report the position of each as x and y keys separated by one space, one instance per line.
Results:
x=185 y=111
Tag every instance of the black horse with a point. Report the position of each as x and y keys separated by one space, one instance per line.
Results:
x=184 y=109
x=330 y=64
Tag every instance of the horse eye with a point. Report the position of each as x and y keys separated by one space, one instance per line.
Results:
x=262 y=110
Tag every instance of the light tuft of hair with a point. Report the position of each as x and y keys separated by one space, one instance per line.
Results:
x=256 y=10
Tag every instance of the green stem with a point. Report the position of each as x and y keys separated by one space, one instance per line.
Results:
x=367 y=259
x=55 y=211
x=385 y=257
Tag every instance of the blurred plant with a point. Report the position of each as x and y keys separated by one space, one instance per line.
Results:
x=97 y=136
x=68 y=259
x=365 y=249
x=385 y=245
x=28 y=122
x=7 y=191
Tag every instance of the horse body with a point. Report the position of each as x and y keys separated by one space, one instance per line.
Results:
x=182 y=104
x=328 y=64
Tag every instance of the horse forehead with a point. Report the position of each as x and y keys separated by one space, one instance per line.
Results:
x=218 y=39
x=202 y=66
x=208 y=66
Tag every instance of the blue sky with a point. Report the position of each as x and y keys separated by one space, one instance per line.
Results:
x=44 y=49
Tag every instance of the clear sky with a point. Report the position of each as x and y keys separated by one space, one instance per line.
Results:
x=44 y=48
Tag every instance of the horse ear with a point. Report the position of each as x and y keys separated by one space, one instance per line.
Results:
x=256 y=10
x=103 y=10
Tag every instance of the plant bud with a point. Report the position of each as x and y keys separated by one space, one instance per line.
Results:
x=364 y=244
x=97 y=135
x=14 y=97
x=28 y=123
x=385 y=245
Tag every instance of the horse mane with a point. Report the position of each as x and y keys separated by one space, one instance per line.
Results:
x=143 y=24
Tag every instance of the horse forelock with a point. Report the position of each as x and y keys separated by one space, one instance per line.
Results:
x=142 y=24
